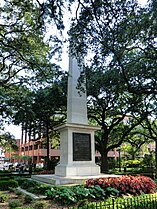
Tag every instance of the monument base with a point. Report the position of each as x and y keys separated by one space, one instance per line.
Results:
x=70 y=180
x=77 y=170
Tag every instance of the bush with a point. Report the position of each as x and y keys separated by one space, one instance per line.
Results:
x=28 y=208
x=64 y=195
x=4 y=178
x=112 y=192
x=40 y=205
x=39 y=189
x=96 y=192
x=134 y=185
x=19 y=193
x=132 y=163
x=3 y=197
x=28 y=199
x=72 y=195
x=20 y=180
x=14 y=204
x=11 y=189
x=80 y=192
x=29 y=183
x=4 y=185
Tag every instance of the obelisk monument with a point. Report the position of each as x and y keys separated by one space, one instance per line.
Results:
x=77 y=99
x=77 y=147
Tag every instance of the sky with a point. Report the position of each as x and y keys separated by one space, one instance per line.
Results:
x=16 y=130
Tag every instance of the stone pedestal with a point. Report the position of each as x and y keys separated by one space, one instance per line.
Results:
x=77 y=150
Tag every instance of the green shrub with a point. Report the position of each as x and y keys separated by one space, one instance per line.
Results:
x=11 y=189
x=63 y=195
x=71 y=195
x=96 y=192
x=40 y=205
x=4 y=185
x=28 y=199
x=5 y=171
x=110 y=192
x=3 y=197
x=20 y=180
x=80 y=192
x=19 y=193
x=14 y=204
x=29 y=183
x=39 y=189
x=5 y=178
x=29 y=208
x=132 y=163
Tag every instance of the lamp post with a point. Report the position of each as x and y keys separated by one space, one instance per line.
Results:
x=118 y=149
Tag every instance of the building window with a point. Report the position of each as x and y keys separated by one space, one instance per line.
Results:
x=35 y=146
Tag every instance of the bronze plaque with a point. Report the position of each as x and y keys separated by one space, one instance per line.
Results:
x=81 y=147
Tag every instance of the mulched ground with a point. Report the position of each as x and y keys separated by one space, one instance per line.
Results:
x=12 y=196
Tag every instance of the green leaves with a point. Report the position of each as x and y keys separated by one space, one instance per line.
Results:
x=70 y=195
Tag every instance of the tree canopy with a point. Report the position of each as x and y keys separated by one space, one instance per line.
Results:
x=121 y=35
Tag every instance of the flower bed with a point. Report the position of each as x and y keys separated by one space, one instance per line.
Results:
x=134 y=185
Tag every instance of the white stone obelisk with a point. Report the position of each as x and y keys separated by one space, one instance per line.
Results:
x=77 y=100
x=77 y=148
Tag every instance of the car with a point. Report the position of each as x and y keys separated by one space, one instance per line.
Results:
x=7 y=165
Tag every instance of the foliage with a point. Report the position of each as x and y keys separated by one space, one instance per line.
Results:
x=134 y=185
x=81 y=194
x=19 y=193
x=8 y=142
x=27 y=182
x=64 y=195
x=33 y=186
x=114 y=39
x=4 y=178
x=97 y=193
x=27 y=52
x=132 y=163
x=112 y=192
x=17 y=36
x=28 y=199
x=5 y=171
x=11 y=189
x=39 y=189
x=20 y=180
x=148 y=160
x=40 y=205
x=14 y=204
x=4 y=185
x=38 y=111
x=118 y=69
x=3 y=197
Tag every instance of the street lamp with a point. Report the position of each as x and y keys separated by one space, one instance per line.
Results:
x=118 y=149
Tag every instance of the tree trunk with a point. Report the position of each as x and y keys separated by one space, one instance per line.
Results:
x=48 y=148
x=104 y=162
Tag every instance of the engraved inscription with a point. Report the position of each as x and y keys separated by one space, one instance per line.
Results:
x=81 y=147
